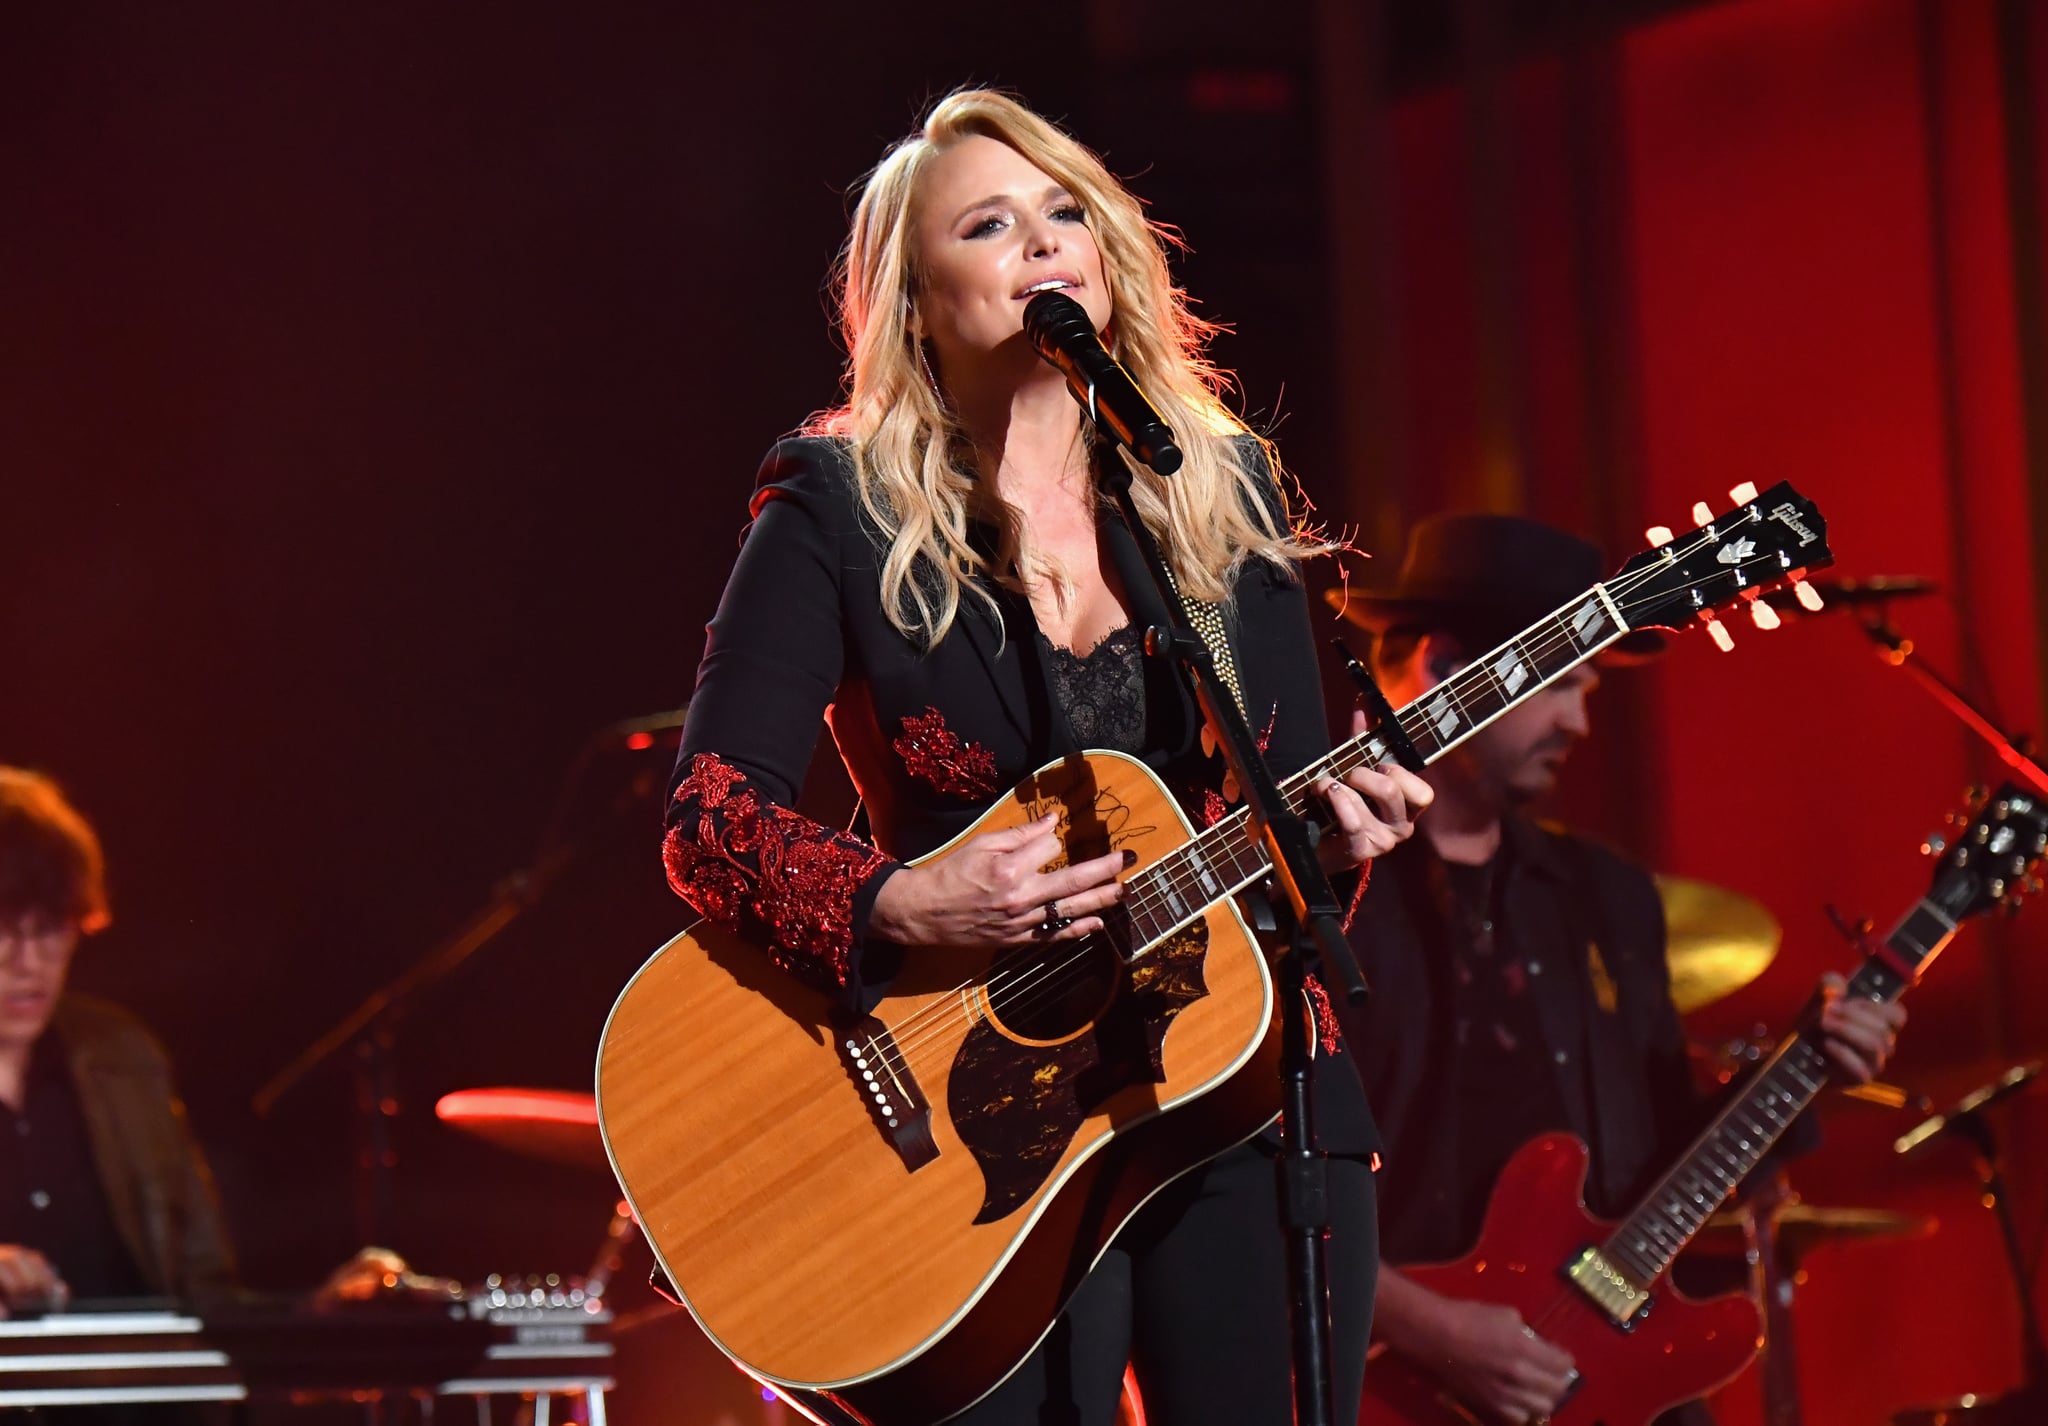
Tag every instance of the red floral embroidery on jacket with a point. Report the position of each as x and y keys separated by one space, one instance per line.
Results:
x=739 y=859
x=1328 y=1033
x=935 y=754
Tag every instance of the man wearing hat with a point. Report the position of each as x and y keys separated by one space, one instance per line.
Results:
x=1518 y=971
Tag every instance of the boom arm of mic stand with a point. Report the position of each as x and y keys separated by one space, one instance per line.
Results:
x=511 y=898
x=1898 y=651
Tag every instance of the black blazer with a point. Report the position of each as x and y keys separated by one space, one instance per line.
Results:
x=1623 y=1075
x=929 y=737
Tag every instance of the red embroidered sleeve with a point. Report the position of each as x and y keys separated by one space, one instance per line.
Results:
x=757 y=868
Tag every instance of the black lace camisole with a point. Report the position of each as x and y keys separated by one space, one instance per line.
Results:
x=1102 y=692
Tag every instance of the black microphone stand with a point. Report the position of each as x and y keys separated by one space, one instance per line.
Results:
x=1311 y=926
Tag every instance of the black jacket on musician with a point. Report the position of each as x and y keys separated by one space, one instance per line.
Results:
x=929 y=737
x=1623 y=1079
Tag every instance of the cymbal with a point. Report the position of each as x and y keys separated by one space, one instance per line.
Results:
x=1803 y=1227
x=1716 y=940
x=553 y=1124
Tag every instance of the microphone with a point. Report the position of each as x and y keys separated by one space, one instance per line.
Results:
x=1059 y=328
x=1968 y=1107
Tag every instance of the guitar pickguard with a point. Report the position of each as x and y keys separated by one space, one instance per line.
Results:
x=1017 y=1106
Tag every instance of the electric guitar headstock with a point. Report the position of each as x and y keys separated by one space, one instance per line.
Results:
x=1765 y=542
x=1988 y=852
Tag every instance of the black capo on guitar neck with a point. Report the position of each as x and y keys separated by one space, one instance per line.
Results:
x=1380 y=711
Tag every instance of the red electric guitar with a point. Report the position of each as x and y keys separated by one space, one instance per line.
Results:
x=1601 y=1290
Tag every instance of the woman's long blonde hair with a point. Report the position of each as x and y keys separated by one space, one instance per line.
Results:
x=911 y=456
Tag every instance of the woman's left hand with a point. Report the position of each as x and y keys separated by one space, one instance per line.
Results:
x=1374 y=811
x=1859 y=1035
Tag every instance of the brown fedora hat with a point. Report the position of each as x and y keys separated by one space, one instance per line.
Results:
x=1485 y=578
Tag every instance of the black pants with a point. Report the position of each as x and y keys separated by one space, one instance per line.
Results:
x=1194 y=1293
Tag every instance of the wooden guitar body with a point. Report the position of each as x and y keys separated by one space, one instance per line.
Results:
x=1676 y=1349
x=836 y=1199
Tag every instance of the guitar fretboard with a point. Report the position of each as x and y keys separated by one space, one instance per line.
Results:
x=1651 y=1237
x=1180 y=886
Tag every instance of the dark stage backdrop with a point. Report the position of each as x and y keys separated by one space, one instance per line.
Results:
x=380 y=395
x=380 y=389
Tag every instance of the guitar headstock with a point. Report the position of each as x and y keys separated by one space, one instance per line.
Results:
x=1765 y=542
x=1989 y=852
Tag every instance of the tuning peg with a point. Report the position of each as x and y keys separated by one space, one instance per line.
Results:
x=1658 y=536
x=1762 y=614
x=1743 y=493
x=1808 y=597
x=1723 y=640
x=1701 y=514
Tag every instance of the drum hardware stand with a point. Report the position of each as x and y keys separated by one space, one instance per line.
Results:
x=2028 y=1402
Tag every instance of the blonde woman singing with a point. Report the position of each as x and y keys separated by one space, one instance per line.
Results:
x=932 y=568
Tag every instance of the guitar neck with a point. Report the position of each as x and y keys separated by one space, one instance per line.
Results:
x=1750 y=1126
x=1228 y=856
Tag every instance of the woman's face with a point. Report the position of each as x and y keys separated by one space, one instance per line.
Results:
x=993 y=231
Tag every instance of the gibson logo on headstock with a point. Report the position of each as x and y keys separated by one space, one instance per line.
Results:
x=1788 y=516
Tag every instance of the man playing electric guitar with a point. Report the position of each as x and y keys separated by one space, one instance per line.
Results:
x=1519 y=972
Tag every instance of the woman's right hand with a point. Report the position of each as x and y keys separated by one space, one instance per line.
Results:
x=991 y=892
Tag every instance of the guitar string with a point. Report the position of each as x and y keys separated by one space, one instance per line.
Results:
x=1004 y=994
x=1042 y=977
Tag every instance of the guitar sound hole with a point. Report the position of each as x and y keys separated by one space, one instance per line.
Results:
x=1056 y=992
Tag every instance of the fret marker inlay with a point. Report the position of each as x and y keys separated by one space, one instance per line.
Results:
x=1510 y=672
x=1444 y=714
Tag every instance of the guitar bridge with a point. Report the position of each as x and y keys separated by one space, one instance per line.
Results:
x=1609 y=1288
x=881 y=1076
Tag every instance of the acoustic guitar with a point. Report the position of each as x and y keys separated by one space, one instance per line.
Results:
x=882 y=1216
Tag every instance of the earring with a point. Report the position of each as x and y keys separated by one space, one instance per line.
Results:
x=931 y=378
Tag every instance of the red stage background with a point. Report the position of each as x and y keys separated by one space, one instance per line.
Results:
x=1772 y=240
